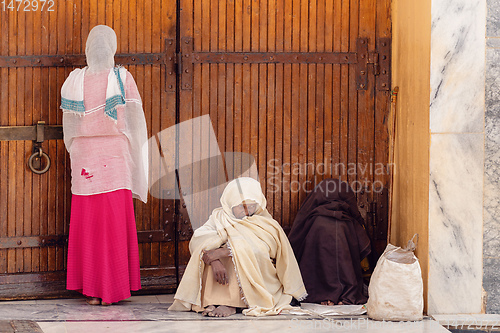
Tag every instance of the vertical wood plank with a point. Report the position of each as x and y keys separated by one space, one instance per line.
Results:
x=157 y=213
x=186 y=113
x=101 y=12
x=205 y=100
x=238 y=88
x=382 y=107
x=366 y=109
x=132 y=26
x=303 y=108
x=53 y=109
x=148 y=26
x=21 y=200
x=116 y=23
x=77 y=27
x=44 y=115
x=63 y=157
x=137 y=36
x=214 y=25
x=4 y=146
x=28 y=120
x=147 y=31
x=60 y=151
x=197 y=140
x=272 y=123
x=274 y=166
x=253 y=126
x=330 y=116
x=13 y=151
x=214 y=78
x=289 y=43
x=221 y=89
x=168 y=100
x=353 y=95
x=109 y=14
x=36 y=199
x=85 y=23
x=321 y=94
x=246 y=93
x=336 y=100
x=123 y=38
x=263 y=86
x=230 y=76
x=313 y=81
x=93 y=17
x=344 y=93
x=296 y=110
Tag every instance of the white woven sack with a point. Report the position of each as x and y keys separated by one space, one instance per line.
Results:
x=396 y=289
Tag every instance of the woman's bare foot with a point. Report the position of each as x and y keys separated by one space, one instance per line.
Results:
x=208 y=310
x=105 y=303
x=93 y=301
x=223 y=311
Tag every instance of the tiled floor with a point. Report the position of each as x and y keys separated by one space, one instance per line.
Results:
x=149 y=314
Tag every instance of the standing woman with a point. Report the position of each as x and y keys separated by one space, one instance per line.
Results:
x=104 y=131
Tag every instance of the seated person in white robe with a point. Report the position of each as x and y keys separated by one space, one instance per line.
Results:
x=240 y=258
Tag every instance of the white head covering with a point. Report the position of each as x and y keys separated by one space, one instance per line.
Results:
x=101 y=48
x=239 y=190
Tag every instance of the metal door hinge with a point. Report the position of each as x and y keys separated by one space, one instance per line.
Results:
x=380 y=59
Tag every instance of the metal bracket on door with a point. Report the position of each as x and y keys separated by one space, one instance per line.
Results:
x=187 y=63
x=77 y=60
x=380 y=59
x=170 y=62
x=179 y=63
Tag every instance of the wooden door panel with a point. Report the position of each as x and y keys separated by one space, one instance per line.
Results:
x=35 y=209
x=300 y=121
x=294 y=118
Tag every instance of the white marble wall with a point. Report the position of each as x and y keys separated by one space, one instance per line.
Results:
x=456 y=156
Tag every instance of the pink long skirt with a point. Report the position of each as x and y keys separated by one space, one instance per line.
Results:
x=103 y=254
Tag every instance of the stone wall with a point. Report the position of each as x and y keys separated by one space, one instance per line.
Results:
x=491 y=231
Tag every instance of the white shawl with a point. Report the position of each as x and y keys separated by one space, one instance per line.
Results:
x=72 y=93
x=100 y=50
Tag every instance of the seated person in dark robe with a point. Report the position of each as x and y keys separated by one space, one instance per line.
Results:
x=329 y=240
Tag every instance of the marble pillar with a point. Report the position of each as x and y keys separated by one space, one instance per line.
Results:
x=456 y=156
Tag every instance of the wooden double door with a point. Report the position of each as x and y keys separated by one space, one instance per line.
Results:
x=295 y=90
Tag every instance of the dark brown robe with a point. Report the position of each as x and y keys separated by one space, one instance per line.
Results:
x=329 y=241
